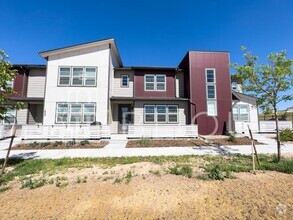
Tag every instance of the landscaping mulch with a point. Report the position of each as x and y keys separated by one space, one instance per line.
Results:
x=238 y=141
x=165 y=143
x=40 y=146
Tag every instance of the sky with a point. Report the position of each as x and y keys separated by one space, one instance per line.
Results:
x=148 y=32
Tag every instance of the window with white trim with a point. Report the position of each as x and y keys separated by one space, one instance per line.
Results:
x=9 y=117
x=234 y=85
x=10 y=84
x=155 y=82
x=211 y=93
x=124 y=80
x=75 y=113
x=241 y=113
x=161 y=114
x=77 y=76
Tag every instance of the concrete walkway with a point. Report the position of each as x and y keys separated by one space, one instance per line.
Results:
x=116 y=148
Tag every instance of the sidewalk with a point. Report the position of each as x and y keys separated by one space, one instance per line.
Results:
x=114 y=149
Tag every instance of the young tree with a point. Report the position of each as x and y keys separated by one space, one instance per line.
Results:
x=268 y=82
x=7 y=74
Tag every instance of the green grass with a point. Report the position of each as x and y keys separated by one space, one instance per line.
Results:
x=235 y=163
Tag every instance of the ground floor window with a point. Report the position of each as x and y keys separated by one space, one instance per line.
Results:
x=75 y=113
x=241 y=113
x=161 y=114
x=10 y=117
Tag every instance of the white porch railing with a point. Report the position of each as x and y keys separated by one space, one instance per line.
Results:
x=264 y=126
x=162 y=131
x=6 y=129
x=65 y=131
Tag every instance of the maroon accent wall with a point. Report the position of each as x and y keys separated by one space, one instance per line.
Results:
x=195 y=72
x=19 y=83
x=139 y=84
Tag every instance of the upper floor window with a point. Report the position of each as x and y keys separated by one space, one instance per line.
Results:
x=155 y=82
x=77 y=76
x=210 y=76
x=234 y=85
x=10 y=84
x=124 y=80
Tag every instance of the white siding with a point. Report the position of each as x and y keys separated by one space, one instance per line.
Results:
x=139 y=108
x=123 y=91
x=97 y=56
x=180 y=85
x=36 y=83
x=21 y=115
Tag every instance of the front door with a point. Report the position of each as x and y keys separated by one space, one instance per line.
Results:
x=124 y=117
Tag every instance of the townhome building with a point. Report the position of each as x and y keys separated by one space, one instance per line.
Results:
x=87 y=84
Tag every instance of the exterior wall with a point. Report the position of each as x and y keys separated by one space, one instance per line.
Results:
x=19 y=83
x=97 y=57
x=123 y=91
x=36 y=83
x=196 y=63
x=21 y=115
x=139 y=84
x=180 y=85
x=139 y=110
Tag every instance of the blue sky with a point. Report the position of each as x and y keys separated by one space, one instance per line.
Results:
x=147 y=32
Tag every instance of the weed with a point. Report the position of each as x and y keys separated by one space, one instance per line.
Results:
x=106 y=172
x=157 y=172
x=84 y=142
x=117 y=180
x=61 y=181
x=216 y=174
x=175 y=170
x=4 y=188
x=44 y=144
x=107 y=178
x=33 y=183
x=185 y=170
x=229 y=175
x=144 y=141
x=231 y=137
x=81 y=180
x=34 y=144
x=128 y=176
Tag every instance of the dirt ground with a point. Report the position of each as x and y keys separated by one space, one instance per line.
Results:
x=238 y=141
x=151 y=194
x=165 y=143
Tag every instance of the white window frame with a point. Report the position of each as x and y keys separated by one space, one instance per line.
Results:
x=124 y=86
x=83 y=77
x=12 y=84
x=216 y=107
x=238 y=112
x=206 y=75
x=144 y=114
x=155 y=83
x=69 y=112
x=167 y=121
x=215 y=91
x=234 y=85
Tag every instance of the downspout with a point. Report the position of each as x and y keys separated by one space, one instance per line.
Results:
x=109 y=77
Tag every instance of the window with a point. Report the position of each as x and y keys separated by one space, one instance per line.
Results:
x=155 y=82
x=234 y=85
x=10 y=84
x=9 y=116
x=124 y=80
x=212 y=108
x=75 y=113
x=77 y=76
x=211 y=92
x=210 y=75
x=161 y=113
x=241 y=113
x=64 y=76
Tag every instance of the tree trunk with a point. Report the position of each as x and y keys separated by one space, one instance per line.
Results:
x=278 y=134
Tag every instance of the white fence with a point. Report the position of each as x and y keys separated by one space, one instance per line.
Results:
x=263 y=126
x=65 y=132
x=162 y=131
x=5 y=131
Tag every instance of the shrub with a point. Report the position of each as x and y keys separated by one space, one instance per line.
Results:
x=144 y=141
x=184 y=171
x=57 y=143
x=175 y=170
x=286 y=135
x=44 y=144
x=231 y=138
x=34 y=144
x=117 y=180
x=61 y=181
x=128 y=176
x=84 y=142
x=70 y=143
x=81 y=180
x=216 y=174
x=33 y=183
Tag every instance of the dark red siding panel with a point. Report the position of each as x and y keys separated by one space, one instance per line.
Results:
x=199 y=61
x=139 y=84
x=18 y=84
